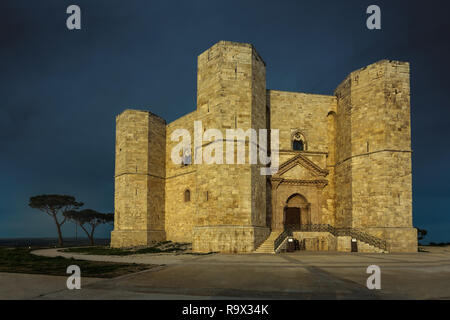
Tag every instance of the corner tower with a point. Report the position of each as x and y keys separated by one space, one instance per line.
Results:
x=231 y=205
x=139 y=179
x=373 y=161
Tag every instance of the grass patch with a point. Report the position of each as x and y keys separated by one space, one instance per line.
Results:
x=160 y=247
x=20 y=260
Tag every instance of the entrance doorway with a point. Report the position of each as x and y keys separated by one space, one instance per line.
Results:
x=354 y=245
x=296 y=213
x=292 y=219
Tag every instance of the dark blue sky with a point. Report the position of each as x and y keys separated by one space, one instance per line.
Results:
x=60 y=90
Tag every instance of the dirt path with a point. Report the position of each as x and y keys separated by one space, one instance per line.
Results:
x=150 y=258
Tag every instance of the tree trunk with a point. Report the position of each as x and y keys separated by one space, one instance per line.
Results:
x=90 y=237
x=58 y=227
x=92 y=234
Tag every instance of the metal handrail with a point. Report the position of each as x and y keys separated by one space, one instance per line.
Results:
x=352 y=232
x=279 y=240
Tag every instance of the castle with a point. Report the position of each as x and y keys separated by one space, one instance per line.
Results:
x=344 y=181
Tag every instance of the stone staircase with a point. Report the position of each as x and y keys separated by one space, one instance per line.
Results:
x=366 y=242
x=268 y=246
x=368 y=248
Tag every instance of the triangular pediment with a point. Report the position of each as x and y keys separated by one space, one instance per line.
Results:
x=300 y=167
x=298 y=172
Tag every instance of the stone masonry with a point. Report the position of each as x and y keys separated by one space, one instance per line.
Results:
x=345 y=162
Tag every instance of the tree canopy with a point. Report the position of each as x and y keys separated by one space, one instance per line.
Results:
x=89 y=217
x=50 y=203
x=53 y=204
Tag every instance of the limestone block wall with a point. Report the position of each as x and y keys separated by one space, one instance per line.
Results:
x=179 y=217
x=228 y=239
x=310 y=114
x=317 y=241
x=156 y=173
x=139 y=179
x=231 y=79
x=291 y=111
x=329 y=192
x=344 y=244
x=258 y=121
x=179 y=213
x=342 y=170
x=374 y=207
x=373 y=170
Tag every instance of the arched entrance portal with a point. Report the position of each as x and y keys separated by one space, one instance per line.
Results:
x=296 y=212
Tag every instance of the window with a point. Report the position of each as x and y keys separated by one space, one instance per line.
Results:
x=298 y=145
x=187 y=195
x=298 y=142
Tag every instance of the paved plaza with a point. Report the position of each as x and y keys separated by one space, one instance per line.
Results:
x=299 y=275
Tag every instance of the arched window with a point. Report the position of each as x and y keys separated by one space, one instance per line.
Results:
x=298 y=145
x=298 y=142
x=187 y=195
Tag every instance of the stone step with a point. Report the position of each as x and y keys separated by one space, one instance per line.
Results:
x=268 y=245
x=366 y=247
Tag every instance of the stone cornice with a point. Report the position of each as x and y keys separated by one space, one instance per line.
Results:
x=303 y=152
x=299 y=182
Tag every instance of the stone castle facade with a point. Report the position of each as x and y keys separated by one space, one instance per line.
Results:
x=345 y=165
